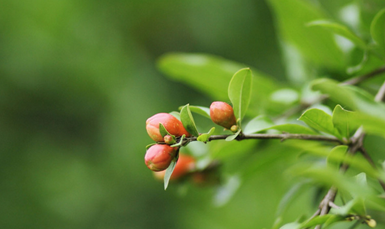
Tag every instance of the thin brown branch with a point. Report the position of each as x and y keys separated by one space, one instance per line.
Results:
x=359 y=79
x=271 y=136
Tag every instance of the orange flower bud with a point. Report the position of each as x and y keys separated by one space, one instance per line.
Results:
x=172 y=125
x=158 y=157
x=222 y=114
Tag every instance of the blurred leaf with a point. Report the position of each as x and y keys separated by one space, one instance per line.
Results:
x=340 y=30
x=204 y=111
x=321 y=220
x=377 y=30
x=355 y=161
x=240 y=91
x=295 y=191
x=169 y=171
x=211 y=75
x=258 y=123
x=355 y=206
x=227 y=150
x=335 y=91
x=319 y=120
x=371 y=125
x=285 y=96
x=262 y=123
x=205 y=137
x=294 y=225
x=350 y=96
x=343 y=121
x=188 y=121
x=227 y=190
x=336 y=156
x=316 y=44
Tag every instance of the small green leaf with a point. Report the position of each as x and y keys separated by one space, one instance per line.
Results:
x=319 y=120
x=258 y=123
x=343 y=120
x=340 y=30
x=169 y=170
x=377 y=29
x=239 y=92
x=233 y=136
x=204 y=111
x=180 y=141
x=188 y=121
x=163 y=130
x=355 y=206
x=205 y=137
x=149 y=145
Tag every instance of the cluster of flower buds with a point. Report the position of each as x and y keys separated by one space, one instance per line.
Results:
x=160 y=155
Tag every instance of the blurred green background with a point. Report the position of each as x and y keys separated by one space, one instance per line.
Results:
x=78 y=79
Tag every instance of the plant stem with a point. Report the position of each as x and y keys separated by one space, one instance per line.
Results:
x=272 y=136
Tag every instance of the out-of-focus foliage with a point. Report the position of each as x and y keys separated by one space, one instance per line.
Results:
x=78 y=79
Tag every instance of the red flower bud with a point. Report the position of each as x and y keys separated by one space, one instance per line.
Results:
x=172 y=125
x=158 y=157
x=222 y=114
x=185 y=165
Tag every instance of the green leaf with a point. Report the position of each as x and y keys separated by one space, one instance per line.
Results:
x=240 y=91
x=169 y=170
x=258 y=123
x=319 y=120
x=180 y=142
x=343 y=120
x=293 y=225
x=227 y=190
x=211 y=75
x=149 y=145
x=262 y=123
x=340 y=30
x=233 y=136
x=204 y=111
x=163 y=131
x=351 y=97
x=321 y=220
x=336 y=156
x=295 y=191
x=205 y=137
x=355 y=206
x=377 y=30
x=188 y=121
x=317 y=45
